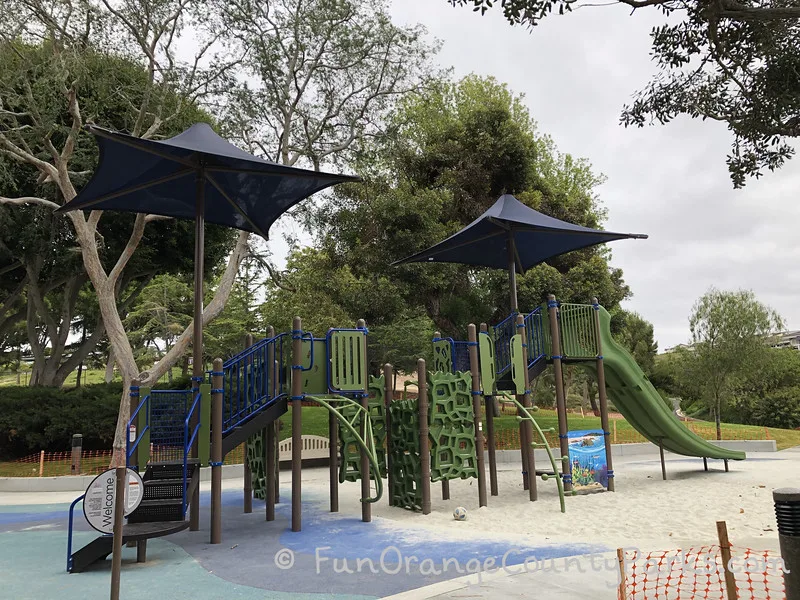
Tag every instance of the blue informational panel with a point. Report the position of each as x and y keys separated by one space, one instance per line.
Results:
x=587 y=454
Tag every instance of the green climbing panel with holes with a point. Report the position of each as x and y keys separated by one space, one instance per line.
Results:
x=406 y=491
x=452 y=428
x=255 y=458
x=350 y=452
x=442 y=355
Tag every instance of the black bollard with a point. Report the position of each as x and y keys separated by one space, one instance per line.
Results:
x=787 y=513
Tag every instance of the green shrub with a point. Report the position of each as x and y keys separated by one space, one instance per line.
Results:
x=780 y=408
x=44 y=418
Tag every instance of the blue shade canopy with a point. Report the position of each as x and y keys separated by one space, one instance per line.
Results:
x=511 y=229
x=161 y=177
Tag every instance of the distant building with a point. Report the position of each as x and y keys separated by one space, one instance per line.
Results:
x=676 y=348
x=786 y=339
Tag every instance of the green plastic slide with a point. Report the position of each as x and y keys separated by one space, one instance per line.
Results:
x=642 y=406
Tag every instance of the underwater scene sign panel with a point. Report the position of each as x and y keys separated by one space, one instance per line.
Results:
x=587 y=455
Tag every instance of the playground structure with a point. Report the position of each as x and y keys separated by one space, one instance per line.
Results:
x=413 y=442
x=172 y=434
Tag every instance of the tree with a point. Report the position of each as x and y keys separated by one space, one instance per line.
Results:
x=45 y=246
x=729 y=335
x=149 y=32
x=734 y=61
x=636 y=334
x=453 y=151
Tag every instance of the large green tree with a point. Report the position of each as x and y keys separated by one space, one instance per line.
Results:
x=46 y=247
x=734 y=61
x=453 y=151
x=729 y=335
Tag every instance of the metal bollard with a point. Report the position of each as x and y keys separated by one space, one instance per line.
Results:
x=787 y=513
x=77 y=448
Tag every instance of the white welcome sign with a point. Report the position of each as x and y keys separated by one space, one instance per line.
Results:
x=98 y=504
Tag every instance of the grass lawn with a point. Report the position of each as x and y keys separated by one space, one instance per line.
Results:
x=89 y=376
x=315 y=422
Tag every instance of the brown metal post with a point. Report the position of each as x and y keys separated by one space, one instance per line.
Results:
x=77 y=451
x=490 y=441
x=276 y=439
x=197 y=338
x=269 y=432
x=424 y=443
x=663 y=465
x=601 y=392
x=472 y=337
x=141 y=551
x=725 y=550
x=297 y=422
x=388 y=397
x=119 y=516
x=561 y=404
x=526 y=424
x=705 y=464
x=445 y=489
x=524 y=442
x=216 y=453
x=248 y=473
x=366 y=507
x=333 y=459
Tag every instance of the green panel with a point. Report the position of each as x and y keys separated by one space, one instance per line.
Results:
x=578 y=336
x=486 y=358
x=143 y=449
x=204 y=433
x=442 y=356
x=406 y=491
x=350 y=451
x=254 y=455
x=517 y=364
x=347 y=361
x=641 y=405
x=315 y=380
x=452 y=426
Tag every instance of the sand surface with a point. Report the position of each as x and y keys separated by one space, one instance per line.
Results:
x=645 y=512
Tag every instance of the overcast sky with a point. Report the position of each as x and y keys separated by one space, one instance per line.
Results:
x=671 y=182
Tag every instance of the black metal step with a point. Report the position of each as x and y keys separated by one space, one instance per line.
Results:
x=157 y=510
x=506 y=384
x=159 y=489
x=99 y=548
x=264 y=417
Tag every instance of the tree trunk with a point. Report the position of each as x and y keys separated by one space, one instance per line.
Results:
x=717 y=418
x=185 y=367
x=593 y=401
x=110 y=366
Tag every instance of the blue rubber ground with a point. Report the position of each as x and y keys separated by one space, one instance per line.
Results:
x=334 y=557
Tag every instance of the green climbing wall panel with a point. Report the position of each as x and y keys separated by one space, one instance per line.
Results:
x=406 y=491
x=442 y=356
x=255 y=457
x=452 y=428
x=350 y=452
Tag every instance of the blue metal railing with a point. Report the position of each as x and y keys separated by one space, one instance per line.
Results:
x=164 y=412
x=507 y=328
x=132 y=446
x=188 y=441
x=534 y=332
x=503 y=332
x=69 y=531
x=459 y=353
x=251 y=382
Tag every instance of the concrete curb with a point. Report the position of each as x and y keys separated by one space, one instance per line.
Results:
x=504 y=457
x=642 y=449
x=79 y=483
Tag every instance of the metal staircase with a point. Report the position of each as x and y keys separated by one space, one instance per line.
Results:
x=172 y=436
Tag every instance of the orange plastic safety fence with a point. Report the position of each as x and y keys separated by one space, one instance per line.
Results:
x=697 y=573
x=56 y=464
x=92 y=462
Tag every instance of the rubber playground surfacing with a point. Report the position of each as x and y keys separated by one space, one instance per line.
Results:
x=335 y=556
